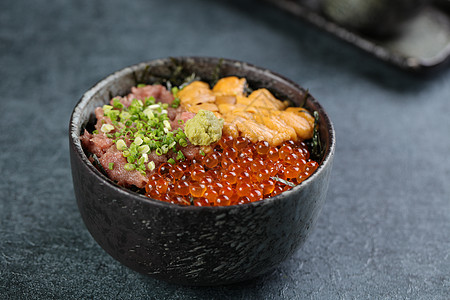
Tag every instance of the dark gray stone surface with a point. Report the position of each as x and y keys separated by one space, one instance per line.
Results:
x=384 y=231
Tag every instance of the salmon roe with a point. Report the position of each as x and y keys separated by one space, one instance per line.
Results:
x=236 y=172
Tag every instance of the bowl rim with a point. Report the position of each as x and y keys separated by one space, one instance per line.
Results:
x=75 y=142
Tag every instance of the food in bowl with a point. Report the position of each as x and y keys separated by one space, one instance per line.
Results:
x=202 y=145
x=186 y=244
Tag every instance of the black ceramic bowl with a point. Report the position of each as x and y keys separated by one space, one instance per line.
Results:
x=187 y=244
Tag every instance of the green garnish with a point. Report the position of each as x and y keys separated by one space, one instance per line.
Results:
x=182 y=142
x=106 y=128
x=140 y=128
x=117 y=103
x=120 y=145
x=180 y=155
x=175 y=102
x=204 y=128
x=111 y=166
x=171 y=161
x=129 y=167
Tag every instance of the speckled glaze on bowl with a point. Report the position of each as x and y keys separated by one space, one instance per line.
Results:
x=196 y=245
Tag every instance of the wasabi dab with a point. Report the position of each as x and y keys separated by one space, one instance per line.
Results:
x=204 y=128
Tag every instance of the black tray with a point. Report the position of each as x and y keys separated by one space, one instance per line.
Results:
x=422 y=46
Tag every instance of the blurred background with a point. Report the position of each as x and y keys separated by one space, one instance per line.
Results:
x=384 y=230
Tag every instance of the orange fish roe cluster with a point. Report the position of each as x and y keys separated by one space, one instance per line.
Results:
x=237 y=171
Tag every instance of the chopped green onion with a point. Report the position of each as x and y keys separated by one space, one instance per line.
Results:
x=171 y=161
x=144 y=149
x=165 y=148
x=111 y=165
x=107 y=108
x=106 y=128
x=182 y=142
x=175 y=103
x=120 y=145
x=117 y=103
x=148 y=112
x=112 y=114
x=149 y=101
x=142 y=160
x=124 y=115
x=129 y=167
x=180 y=155
x=167 y=125
x=138 y=141
x=145 y=126
x=154 y=106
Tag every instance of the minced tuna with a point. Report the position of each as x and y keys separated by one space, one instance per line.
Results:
x=136 y=133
